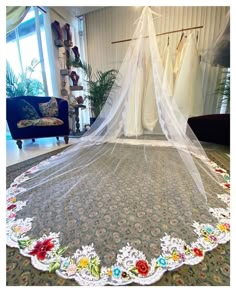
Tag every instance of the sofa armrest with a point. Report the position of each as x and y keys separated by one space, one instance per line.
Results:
x=12 y=114
x=63 y=108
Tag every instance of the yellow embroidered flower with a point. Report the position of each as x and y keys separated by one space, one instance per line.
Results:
x=175 y=257
x=12 y=199
x=17 y=229
x=83 y=262
x=109 y=272
x=222 y=227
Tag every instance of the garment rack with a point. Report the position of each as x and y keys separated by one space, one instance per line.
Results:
x=159 y=34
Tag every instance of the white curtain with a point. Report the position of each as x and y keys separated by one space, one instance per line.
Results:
x=15 y=14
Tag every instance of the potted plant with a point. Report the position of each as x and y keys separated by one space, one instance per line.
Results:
x=223 y=90
x=99 y=85
x=23 y=84
x=99 y=89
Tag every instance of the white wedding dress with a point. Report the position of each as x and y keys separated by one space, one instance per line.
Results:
x=188 y=87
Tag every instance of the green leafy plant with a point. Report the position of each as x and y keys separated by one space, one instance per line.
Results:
x=23 y=84
x=99 y=87
x=223 y=89
x=99 y=84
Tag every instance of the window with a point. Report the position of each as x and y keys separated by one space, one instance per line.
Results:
x=28 y=42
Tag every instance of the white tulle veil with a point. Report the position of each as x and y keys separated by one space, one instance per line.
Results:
x=120 y=160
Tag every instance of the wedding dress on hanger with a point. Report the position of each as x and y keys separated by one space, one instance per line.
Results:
x=188 y=84
x=179 y=55
x=168 y=78
x=149 y=107
x=133 y=119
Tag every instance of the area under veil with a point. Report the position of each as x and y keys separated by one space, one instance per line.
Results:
x=123 y=205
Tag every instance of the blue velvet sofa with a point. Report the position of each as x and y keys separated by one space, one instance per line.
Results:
x=14 y=119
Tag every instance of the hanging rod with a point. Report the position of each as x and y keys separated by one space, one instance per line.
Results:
x=44 y=11
x=163 y=33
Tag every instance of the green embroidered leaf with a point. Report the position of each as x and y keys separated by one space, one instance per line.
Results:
x=79 y=268
x=60 y=251
x=54 y=266
x=95 y=270
x=95 y=261
x=24 y=243
x=134 y=271
x=157 y=266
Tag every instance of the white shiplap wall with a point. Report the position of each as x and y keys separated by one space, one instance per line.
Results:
x=117 y=23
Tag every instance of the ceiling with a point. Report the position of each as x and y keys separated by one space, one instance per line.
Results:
x=81 y=10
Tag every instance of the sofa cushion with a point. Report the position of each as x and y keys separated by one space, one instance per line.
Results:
x=40 y=122
x=50 y=108
x=26 y=110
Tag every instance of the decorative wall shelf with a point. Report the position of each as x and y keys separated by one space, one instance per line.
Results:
x=75 y=88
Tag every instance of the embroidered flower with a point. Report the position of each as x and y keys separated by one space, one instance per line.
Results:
x=71 y=270
x=213 y=238
x=187 y=250
x=182 y=256
x=226 y=177
x=20 y=229
x=227 y=226
x=41 y=248
x=161 y=261
x=198 y=252
x=11 y=207
x=12 y=199
x=109 y=272
x=209 y=229
x=12 y=215
x=123 y=274
x=223 y=227
x=83 y=262
x=219 y=170
x=116 y=272
x=65 y=263
x=175 y=257
x=227 y=185
x=142 y=267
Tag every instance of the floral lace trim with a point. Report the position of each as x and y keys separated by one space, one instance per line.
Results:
x=131 y=264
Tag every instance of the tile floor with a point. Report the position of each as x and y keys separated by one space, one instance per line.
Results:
x=30 y=149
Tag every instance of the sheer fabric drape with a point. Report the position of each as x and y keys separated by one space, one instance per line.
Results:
x=15 y=14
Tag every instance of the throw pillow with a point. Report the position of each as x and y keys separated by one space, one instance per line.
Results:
x=50 y=108
x=26 y=110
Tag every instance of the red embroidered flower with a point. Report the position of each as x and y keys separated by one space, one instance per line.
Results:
x=11 y=207
x=227 y=185
x=198 y=252
x=41 y=248
x=219 y=170
x=142 y=267
x=227 y=226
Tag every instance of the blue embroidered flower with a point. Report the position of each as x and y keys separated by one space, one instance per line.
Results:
x=116 y=272
x=161 y=262
x=209 y=229
x=65 y=263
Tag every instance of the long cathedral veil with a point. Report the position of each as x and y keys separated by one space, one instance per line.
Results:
x=146 y=205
